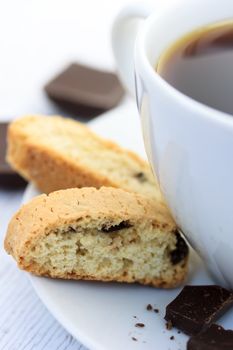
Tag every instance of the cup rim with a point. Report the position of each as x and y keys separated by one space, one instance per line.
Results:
x=214 y=115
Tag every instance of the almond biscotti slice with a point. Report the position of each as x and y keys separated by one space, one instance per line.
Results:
x=57 y=153
x=104 y=234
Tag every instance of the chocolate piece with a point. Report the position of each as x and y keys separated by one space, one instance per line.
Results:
x=196 y=307
x=181 y=250
x=169 y=325
x=122 y=225
x=156 y=311
x=149 y=307
x=4 y=166
x=11 y=181
x=134 y=339
x=84 y=90
x=8 y=178
x=139 y=325
x=214 y=338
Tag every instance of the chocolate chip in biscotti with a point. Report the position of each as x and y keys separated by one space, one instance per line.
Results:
x=214 y=338
x=122 y=225
x=197 y=307
x=141 y=177
x=181 y=250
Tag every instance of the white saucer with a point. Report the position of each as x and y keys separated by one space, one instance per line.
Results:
x=102 y=316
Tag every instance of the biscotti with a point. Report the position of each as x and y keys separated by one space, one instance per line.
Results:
x=58 y=153
x=104 y=234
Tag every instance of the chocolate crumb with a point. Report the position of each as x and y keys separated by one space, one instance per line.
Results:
x=139 y=325
x=149 y=307
x=135 y=316
x=169 y=325
x=156 y=311
x=179 y=332
x=192 y=312
x=172 y=337
x=134 y=339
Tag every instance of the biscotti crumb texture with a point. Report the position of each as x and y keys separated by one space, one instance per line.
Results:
x=58 y=153
x=106 y=235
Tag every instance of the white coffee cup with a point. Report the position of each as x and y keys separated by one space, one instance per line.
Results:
x=189 y=145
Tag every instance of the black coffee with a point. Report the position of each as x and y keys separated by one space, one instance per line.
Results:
x=200 y=65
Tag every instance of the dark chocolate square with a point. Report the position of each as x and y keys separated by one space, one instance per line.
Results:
x=197 y=307
x=80 y=87
x=8 y=178
x=214 y=338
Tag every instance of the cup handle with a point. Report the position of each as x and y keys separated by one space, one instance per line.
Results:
x=124 y=33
